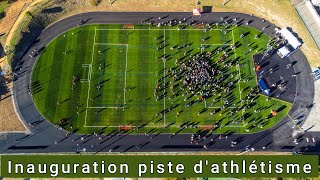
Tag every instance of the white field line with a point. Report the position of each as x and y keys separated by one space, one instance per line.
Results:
x=148 y=126
x=239 y=73
x=155 y=29
x=85 y=66
x=111 y=44
x=94 y=41
x=216 y=44
x=109 y=107
x=90 y=70
x=216 y=107
x=125 y=77
x=164 y=78
x=205 y=101
x=84 y=80
x=96 y=126
x=234 y=126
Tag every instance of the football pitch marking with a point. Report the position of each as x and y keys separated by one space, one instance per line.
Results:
x=85 y=66
x=90 y=74
x=164 y=106
x=164 y=77
x=222 y=99
x=239 y=72
x=105 y=29
x=125 y=71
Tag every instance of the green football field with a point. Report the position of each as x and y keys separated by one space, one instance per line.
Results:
x=102 y=77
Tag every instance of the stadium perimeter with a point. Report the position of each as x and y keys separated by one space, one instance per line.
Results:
x=46 y=138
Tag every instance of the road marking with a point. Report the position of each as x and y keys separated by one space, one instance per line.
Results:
x=294 y=122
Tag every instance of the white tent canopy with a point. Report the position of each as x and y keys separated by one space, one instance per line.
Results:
x=316 y=2
x=283 y=52
x=292 y=40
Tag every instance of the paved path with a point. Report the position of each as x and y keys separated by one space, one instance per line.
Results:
x=313 y=122
x=46 y=138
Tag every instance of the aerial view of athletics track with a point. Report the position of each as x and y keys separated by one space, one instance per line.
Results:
x=163 y=82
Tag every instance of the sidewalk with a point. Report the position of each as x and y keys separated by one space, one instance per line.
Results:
x=313 y=121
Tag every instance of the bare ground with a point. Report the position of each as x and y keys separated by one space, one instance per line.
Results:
x=9 y=121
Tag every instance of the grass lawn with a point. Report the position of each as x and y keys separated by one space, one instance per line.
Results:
x=3 y=6
x=103 y=76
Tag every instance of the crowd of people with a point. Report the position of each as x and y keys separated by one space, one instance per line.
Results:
x=207 y=74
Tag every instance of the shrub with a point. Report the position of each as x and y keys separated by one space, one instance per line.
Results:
x=28 y=14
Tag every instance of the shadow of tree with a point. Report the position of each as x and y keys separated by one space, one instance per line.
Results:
x=2 y=53
x=28 y=37
x=3 y=88
x=52 y=10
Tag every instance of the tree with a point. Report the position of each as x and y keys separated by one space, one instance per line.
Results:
x=28 y=14
x=95 y=2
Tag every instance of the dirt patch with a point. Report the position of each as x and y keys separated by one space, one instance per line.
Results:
x=11 y=15
x=9 y=121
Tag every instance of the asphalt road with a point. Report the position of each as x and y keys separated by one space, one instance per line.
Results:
x=45 y=138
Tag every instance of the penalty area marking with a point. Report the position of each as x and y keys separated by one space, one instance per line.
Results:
x=125 y=71
x=90 y=74
x=205 y=101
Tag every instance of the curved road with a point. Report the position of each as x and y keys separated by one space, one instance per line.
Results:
x=44 y=137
